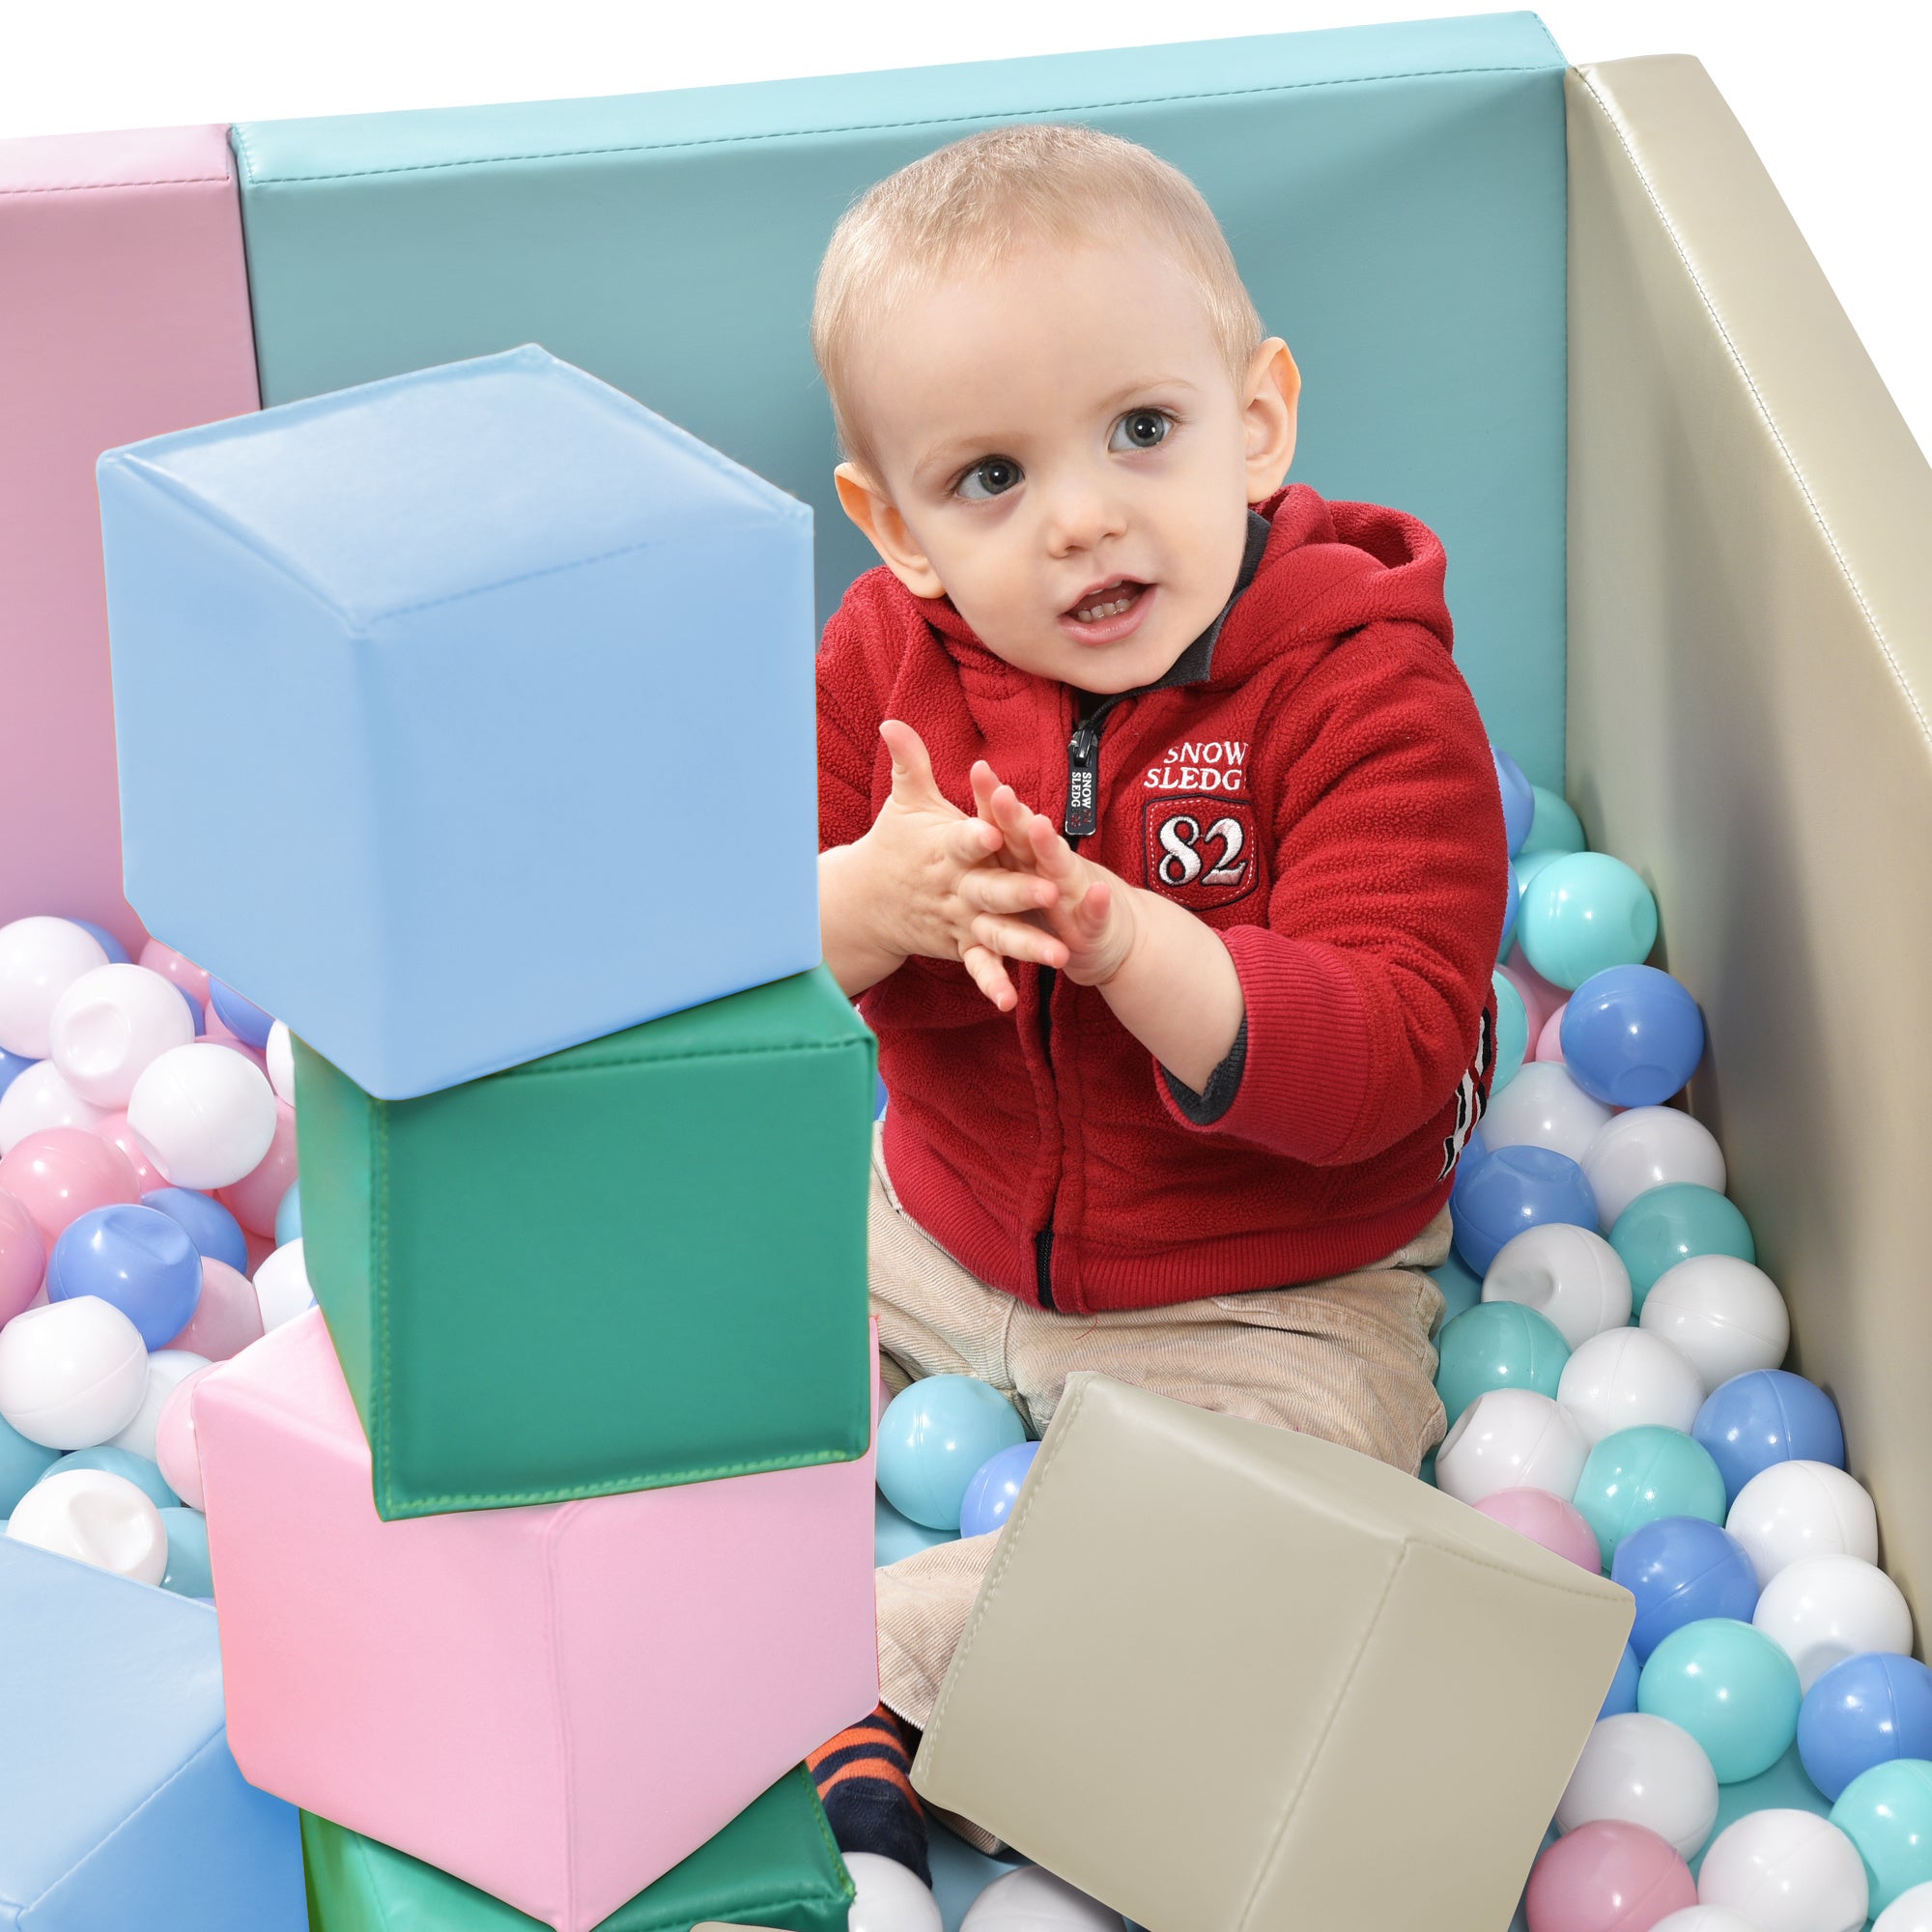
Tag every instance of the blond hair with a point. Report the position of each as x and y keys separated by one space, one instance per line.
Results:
x=974 y=203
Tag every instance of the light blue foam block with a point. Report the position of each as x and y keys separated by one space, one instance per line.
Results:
x=495 y=691
x=119 y=1804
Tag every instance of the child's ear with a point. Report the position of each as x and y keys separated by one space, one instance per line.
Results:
x=877 y=515
x=1272 y=399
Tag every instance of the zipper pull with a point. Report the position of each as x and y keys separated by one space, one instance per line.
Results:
x=1083 y=781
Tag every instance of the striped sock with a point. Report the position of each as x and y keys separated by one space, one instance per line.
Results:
x=863 y=1780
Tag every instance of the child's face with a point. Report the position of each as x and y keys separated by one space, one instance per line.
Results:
x=1058 y=424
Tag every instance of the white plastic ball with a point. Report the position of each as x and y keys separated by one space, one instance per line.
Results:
x=166 y=1366
x=71 y=1372
x=281 y=1284
x=1033 y=1900
x=1794 y=1510
x=1724 y=1315
x=1645 y=1771
x=1707 y=1919
x=1511 y=1438
x=40 y=959
x=1646 y=1148
x=93 y=1518
x=890 y=1898
x=1542 y=1106
x=1910 y=1911
x=1569 y=1274
x=205 y=1115
x=41 y=1097
x=1822 y=1609
x=1624 y=1378
x=1787 y=1872
x=110 y=1026
x=281 y=1058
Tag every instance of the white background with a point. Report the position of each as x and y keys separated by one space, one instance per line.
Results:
x=1829 y=91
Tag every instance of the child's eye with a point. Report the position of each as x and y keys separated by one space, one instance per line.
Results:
x=997 y=474
x=1146 y=429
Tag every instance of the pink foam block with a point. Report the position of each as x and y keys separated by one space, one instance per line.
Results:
x=555 y=1703
x=125 y=315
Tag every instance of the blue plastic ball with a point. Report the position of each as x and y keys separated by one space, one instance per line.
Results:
x=935 y=1437
x=994 y=1489
x=241 y=1015
x=187 y=1573
x=1512 y=901
x=137 y=1257
x=1632 y=1037
x=1511 y=1033
x=11 y=1066
x=878 y=1098
x=117 y=953
x=215 y=1231
x=1519 y=1187
x=1681 y=1569
x=1518 y=800
x=193 y=1005
x=1861 y=1713
x=1555 y=828
x=140 y=1470
x=1767 y=1416
x=1620 y=1698
x=1475 y=1150
x=289 y=1217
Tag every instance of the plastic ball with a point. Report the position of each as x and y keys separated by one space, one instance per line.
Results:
x=1544 y=1107
x=1670 y=1224
x=995 y=1488
x=280 y=1054
x=113 y=1128
x=1510 y=1439
x=209 y=1226
x=1730 y=1688
x=38 y=1098
x=206 y=1116
x=1497 y=1344
x=1646 y=1148
x=1824 y=1609
x=1526 y=865
x=1538 y=994
x=40 y=959
x=1643 y=1771
x=61 y=1173
x=72 y=1374
x=1632 y=1036
x=1607 y=1876
x=241 y=1015
x=188 y=1572
x=1640 y=1475
x=1512 y=895
x=22 y=1465
x=1567 y=1273
x=174 y=1439
x=282 y=1291
x=1584 y=912
x=1706 y=1918
x=1794 y=1509
x=1514 y=1188
x=217 y=1035
x=110 y=1026
x=143 y=1472
x=1621 y=1696
x=11 y=1066
x=1518 y=800
x=1033 y=1900
x=23 y=1258
x=227 y=1318
x=1866 y=1711
x=1512 y=1032
x=934 y=1439
x=889 y=1897
x=1724 y=1315
x=192 y=979
x=1768 y=1416
x=1681 y=1569
x=1555 y=826
x=289 y=1217
x=1557 y=1525
x=1887 y=1813
x=1550 y=1042
x=1910 y=1911
x=139 y=1260
x=255 y=1198
x=93 y=1518
x=1624 y=1379
x=167 y=1370
x=1474 y=1151
x=1787 y=1872
x=117 y=953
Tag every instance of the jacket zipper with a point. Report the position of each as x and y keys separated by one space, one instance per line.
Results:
x=1082 y=820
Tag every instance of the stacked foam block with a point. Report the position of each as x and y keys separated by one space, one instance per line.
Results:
x=542 y=1545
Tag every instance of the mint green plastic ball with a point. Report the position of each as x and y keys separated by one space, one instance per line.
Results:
x=1731 y=1687
x=1512 y=1032
x=1582 y=913
x=1555 y=828
x=1639 y=1475
x=1670 y=1224
x=1527 y=865
x=1498 y=1344
x=1887 y=1813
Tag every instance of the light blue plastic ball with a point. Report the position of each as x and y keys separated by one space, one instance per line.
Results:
x=289 y=1217
x=1620 y=1698
x=994 y=1489
x=1765 y=1416
x=1682 y=1570
x=1519 y=799
x=187 y=1573
x=140 y=1470
x=241 y=1015
x=137 y=1257
x=11 y=1066
x=1514 y=1188
x=1555 y=828
x=1584 y=912
x=1632 y=1037
x=1511 y=906
x=215 y=1231
x=1866 y=1711
x=934 y=1438
x=117 y=953
x=1512 y=1032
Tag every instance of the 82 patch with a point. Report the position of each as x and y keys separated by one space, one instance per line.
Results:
x=1199 y=849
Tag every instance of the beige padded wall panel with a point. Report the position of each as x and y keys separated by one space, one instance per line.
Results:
x=1751 y=673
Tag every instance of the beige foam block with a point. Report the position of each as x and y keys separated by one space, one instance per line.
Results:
x=1226 y=1676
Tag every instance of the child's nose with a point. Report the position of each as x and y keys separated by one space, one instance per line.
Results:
x=1080 y=511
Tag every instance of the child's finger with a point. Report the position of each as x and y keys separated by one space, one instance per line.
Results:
x=985 y=783
x=989 y=975
x=912 y=782
x=1018 y=940
x=969 y=842
x=988 y=890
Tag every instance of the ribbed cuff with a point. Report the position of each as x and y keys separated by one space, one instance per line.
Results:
x=1217 y=1095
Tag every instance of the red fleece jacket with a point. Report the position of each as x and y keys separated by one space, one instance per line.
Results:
x=1323 y=797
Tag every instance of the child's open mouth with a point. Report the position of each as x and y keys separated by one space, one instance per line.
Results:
x=1110 y=614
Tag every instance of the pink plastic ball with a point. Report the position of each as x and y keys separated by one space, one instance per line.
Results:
x=114 y=1129
x=259 y=1248
x=23 y=1258
x=61 y=1173
x=1602 y=1877
x=1550 y=1042
x=1540 y=999
x=170 y=965
x=254 y=1198
x=1543 y=1519
x=174 y=1442
x=227 y=1318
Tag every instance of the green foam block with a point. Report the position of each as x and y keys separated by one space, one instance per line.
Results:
x=635 y=1263
x=774 y=1865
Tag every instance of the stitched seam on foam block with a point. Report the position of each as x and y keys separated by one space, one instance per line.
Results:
x=559 y=1707
x=511 y=582
x=1765 y=415
x=532 y=1070
x=844 y=1888
x=881 y=126
x=110 y=187
x=378 y=1274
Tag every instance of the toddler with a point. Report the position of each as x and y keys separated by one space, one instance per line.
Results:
x=1160 y=844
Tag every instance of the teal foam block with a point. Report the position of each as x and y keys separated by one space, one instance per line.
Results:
x=1395 y=197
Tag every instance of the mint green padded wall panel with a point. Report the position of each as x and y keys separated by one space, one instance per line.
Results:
x=1395 y=197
